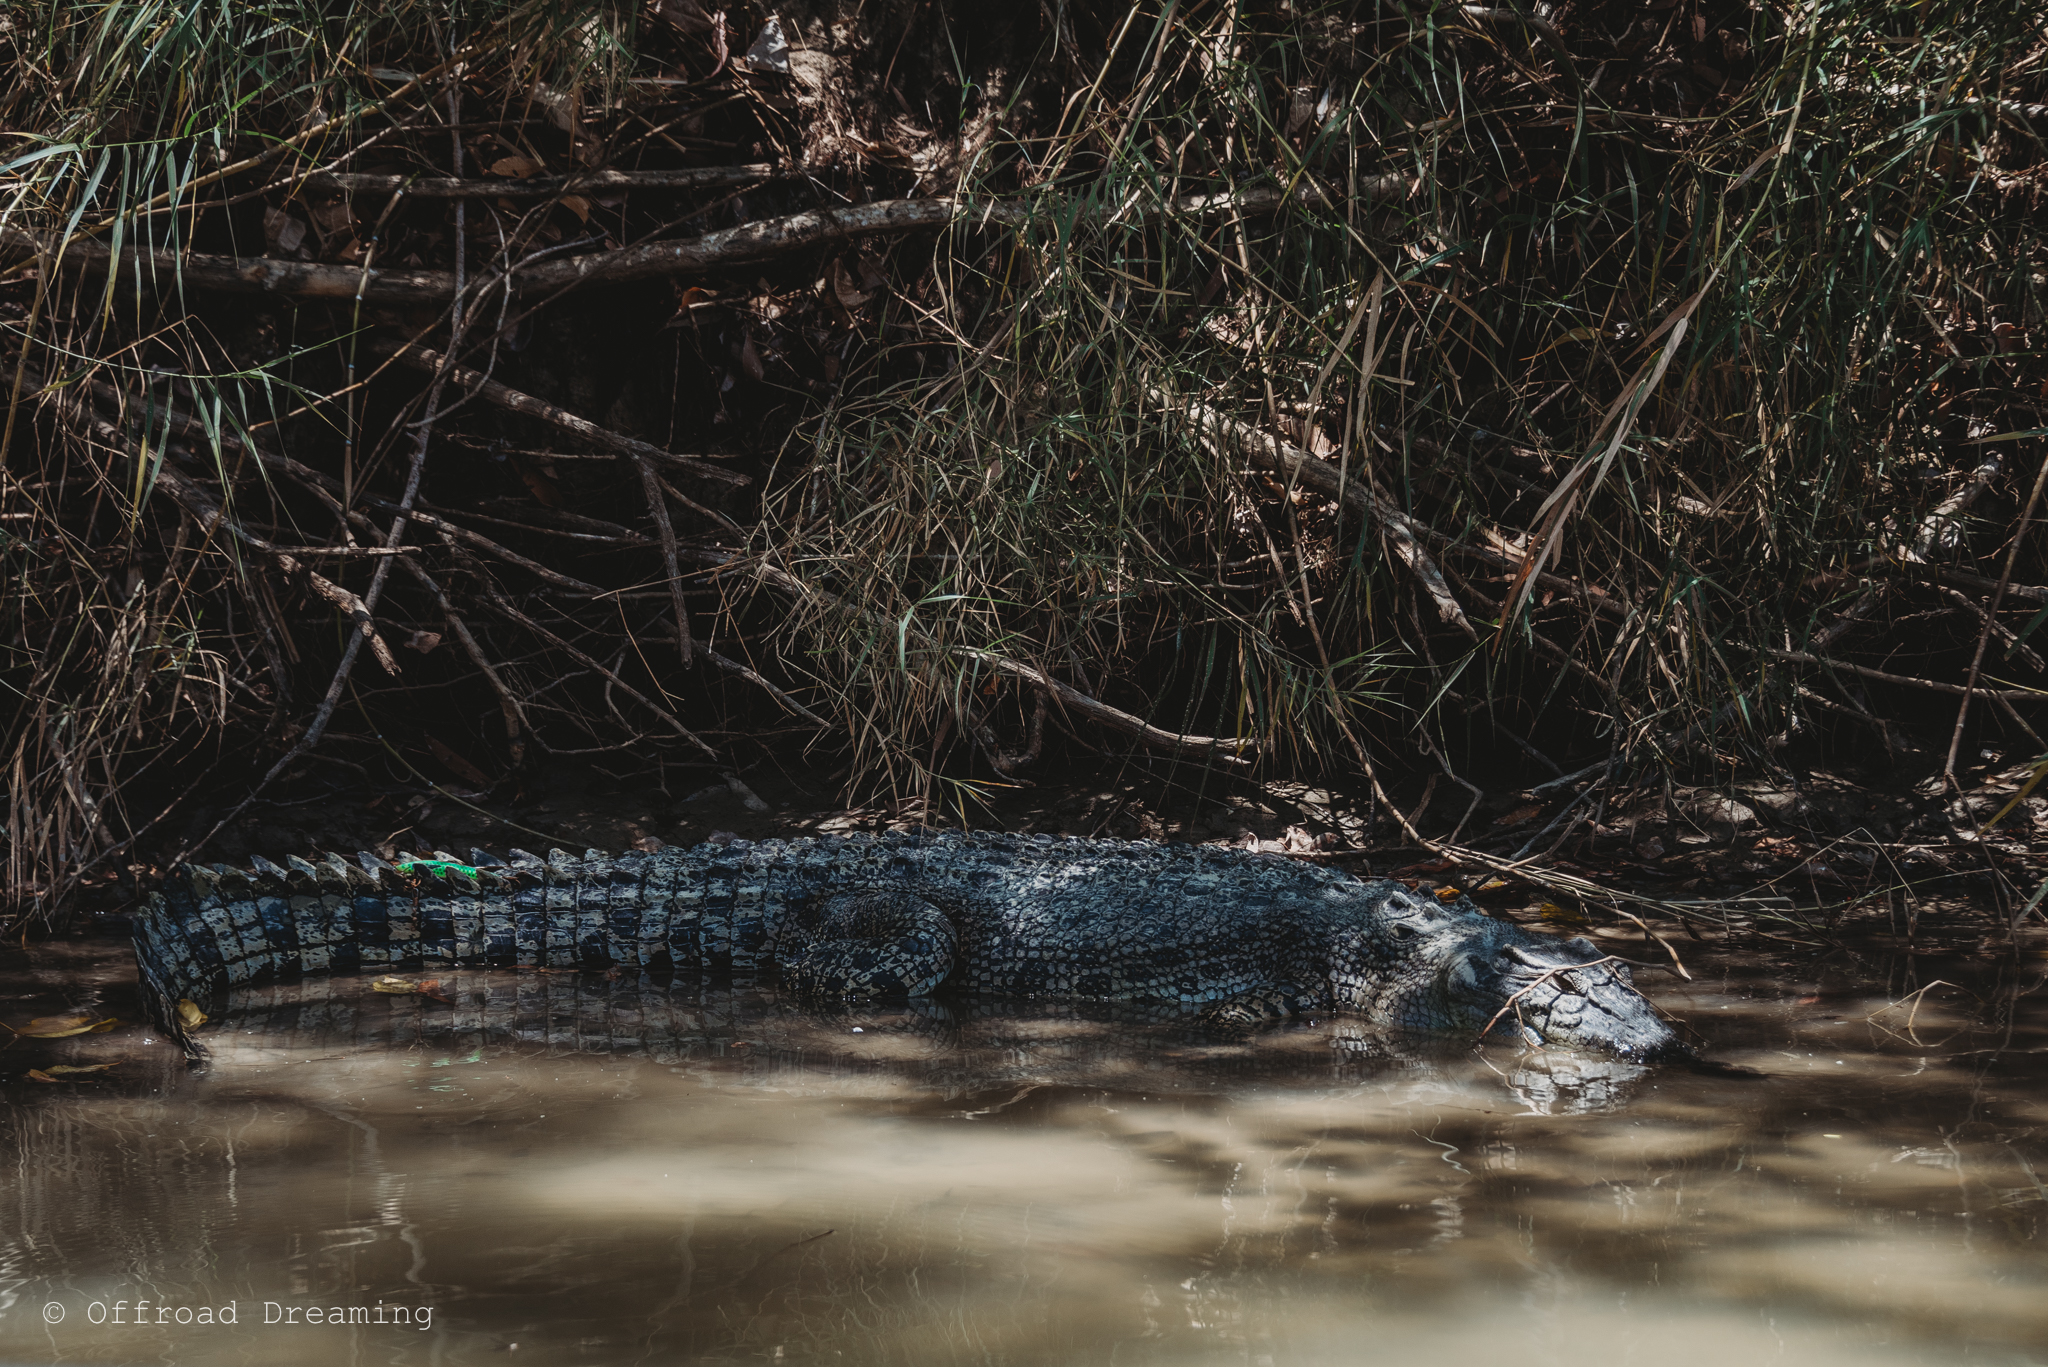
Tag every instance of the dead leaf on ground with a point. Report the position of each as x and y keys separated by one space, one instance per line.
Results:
x=63 y=1027
x=189 y=1014
x=282 y=232
x=844 y=289
x=770 y=52
x=515 y=168
x=75 y=1069
x=688 y=302
x=1563 y=916
x=396 y=986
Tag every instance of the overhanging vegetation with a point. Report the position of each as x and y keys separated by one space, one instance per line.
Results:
x=1602 y=392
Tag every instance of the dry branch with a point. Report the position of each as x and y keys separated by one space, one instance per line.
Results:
x=246 y=275
x=514 y=712
x=1598 y=599
x=774 y=237
x=1299 y=467
x=1941 y=530
x=1983 y=584
x=350 y=604
x=748 y=243
x=1230 y=751
x=1102 y=714
x=540 y=187
x=657 y=507
x=490 y=547
x=499 y=605
x=213 y=519
x=735 y=667
x=503 y=395
x=330 y=489
x=1800 y=657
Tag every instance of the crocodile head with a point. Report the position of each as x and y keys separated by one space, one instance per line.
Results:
x=1414 y=962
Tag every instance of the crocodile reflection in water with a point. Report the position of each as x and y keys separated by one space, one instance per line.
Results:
x=964 y=1052
x=1244 y=937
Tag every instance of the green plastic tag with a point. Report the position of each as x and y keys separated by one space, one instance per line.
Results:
x=435 y=866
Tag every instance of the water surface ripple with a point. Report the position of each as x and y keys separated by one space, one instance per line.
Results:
x=554 y=1168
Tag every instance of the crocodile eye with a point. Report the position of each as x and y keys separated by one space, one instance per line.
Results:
x=1401 y=932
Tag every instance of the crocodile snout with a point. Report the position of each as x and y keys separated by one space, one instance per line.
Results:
x=1567 y=993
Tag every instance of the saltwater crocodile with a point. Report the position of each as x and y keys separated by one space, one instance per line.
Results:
x=1240 y=937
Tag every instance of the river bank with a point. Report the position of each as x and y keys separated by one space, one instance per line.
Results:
x=1813 y=859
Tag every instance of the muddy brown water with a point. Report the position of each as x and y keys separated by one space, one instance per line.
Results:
x=552 y=1168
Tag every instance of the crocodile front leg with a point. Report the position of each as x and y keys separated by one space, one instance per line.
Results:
x=876 y=944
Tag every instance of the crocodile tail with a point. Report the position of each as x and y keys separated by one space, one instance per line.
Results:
x=210 y=929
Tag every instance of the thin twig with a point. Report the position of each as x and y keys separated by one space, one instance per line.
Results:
x=2019 y=537
x=505 y=609
x=1545 y=977
x=514 y=713
x=505 y=396
x=1800 y=657
x=735 y=667
x=541 y=187
x=657 y=507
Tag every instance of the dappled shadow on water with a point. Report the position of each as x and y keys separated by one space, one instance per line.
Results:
x=608 y=1172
